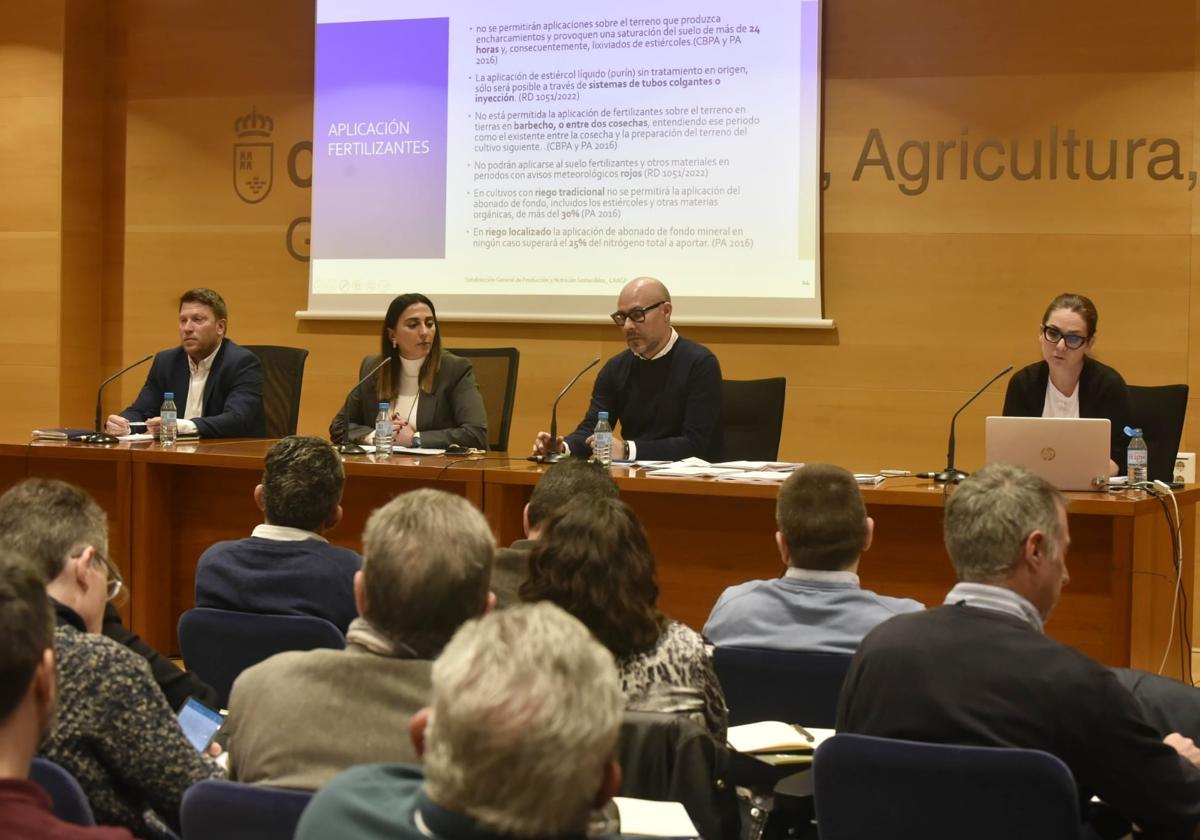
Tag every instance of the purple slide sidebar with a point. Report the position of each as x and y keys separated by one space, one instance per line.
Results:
x=380 y=194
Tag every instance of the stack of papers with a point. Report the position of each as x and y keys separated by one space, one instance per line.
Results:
x=774 y=471
x=647 y=818
x=405 y=450
x=869 y=479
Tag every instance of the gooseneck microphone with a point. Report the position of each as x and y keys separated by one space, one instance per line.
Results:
x=100 y=436
x=553 y=457
x=952 y=475
x=349 y=447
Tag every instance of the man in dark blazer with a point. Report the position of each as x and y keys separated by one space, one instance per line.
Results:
x=217 y=384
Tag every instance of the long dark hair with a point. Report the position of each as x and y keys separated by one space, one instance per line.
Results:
x=389 y=382
x=593 y=560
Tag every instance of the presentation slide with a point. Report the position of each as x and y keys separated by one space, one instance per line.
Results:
x=523 y=160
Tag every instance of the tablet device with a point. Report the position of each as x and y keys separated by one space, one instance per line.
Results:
x=199 y=723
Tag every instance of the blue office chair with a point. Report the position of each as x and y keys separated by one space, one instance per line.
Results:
x=905 y=790
x=221 y=810
x=220 y=644
x=791 y=686
x=69 y=802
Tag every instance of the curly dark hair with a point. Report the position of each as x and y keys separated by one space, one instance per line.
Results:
x=594 y=561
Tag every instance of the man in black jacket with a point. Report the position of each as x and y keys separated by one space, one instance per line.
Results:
x=979 y=670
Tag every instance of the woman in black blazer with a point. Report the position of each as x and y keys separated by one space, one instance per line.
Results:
x=1068 y=382
x=433 y=396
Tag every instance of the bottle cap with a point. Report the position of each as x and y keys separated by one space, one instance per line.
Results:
x=383 y=406
x=1130 y=432
x=169 y=395
x=603 y=415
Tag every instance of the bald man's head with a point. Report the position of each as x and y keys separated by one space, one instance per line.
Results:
x=648 y=297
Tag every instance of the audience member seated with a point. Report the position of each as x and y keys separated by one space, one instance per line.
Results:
x=562 y=482
x=301 y=717
x=285 y=566
x=29 y=527
x=594 y=561
x=818 y=605
x=114 y=731
x=979 y=669
x=27 y=707
x=519 y=741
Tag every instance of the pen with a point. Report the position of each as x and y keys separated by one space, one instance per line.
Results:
x=808 y=736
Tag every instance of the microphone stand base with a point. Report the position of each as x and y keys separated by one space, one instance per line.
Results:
x=351 y=449
x=950 y=476
x=549 y=458
x=100 y=439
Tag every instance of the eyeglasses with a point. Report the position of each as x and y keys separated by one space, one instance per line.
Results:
x=637 y=315
x=1055 y=335
x=115 y=581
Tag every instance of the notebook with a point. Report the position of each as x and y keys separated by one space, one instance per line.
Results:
x=1070 y=453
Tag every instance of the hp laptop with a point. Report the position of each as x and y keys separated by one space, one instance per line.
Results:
x=1070 y=453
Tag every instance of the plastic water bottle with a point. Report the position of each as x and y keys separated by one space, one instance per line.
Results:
x=383 y=430
x=1137 y=457
x=602 y=441
x=170 y=424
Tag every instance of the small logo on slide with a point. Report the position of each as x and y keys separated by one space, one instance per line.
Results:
x=1048 y=453
x=253 y=160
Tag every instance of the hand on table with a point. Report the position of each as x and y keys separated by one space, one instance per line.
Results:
x=541 y=445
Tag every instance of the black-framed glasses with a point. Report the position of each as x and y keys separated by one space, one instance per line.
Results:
x=1054 y=335
x=637 y=314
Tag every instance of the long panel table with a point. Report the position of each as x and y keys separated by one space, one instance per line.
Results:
x=166 y=506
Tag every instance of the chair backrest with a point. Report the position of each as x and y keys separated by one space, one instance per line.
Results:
x=69 y=802
x=673 y=758
x=786 y=685
x=219 y=810
x=220 y=644
x=496 y=375
x=879 y=787
x=1159 y=410
x=283 y=377
x=752 y=418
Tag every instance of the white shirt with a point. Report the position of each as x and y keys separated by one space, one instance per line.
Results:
x=284 y=533
x=822 y=575
x=995 y=598
x=1059 y=405
x=195 y=401
x=404 y=406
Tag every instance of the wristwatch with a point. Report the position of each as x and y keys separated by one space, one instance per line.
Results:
x=417 y=440
x=625 y=451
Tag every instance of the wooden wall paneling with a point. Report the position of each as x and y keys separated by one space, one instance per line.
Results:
x=31 y=102
x=83 y=161
x=875 y=38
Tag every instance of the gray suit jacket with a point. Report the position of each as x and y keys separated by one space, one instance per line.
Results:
x=453 y=413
